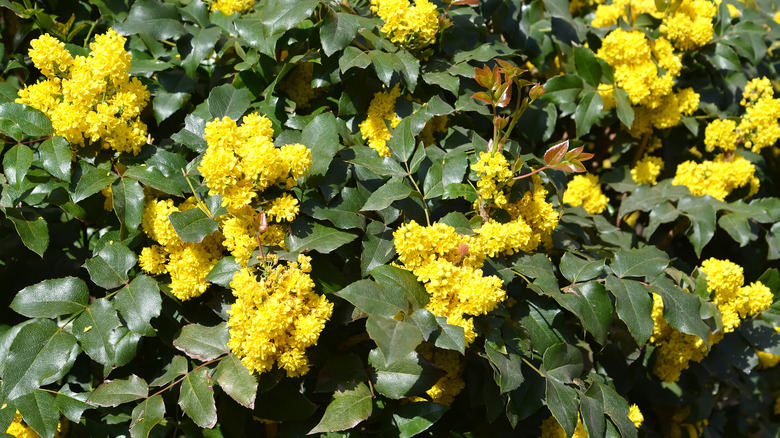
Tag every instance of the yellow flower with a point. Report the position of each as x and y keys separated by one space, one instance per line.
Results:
x=411 y=27
x=374 y=129
x=297 y=85
x=494 y=173
x=453 y=364
x=717 y=178
x=230 y=7
x=584 y=190
x=722 y=134
x=690 y=25
x=647 y=170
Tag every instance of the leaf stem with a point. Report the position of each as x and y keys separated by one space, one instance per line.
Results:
x=187 y=374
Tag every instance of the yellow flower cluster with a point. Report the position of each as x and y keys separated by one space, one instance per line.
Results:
x=297 y=85
x=411 y=27
x=608 y=15
x=717 y=178
x=277 y=316
x=721 y=134
x=647 y=170
x=552 y=429
x=19 y=429
x=637 y=63
x=453 y=364
x=759 y=126
x=734 y=301
x=229 y=7
x=89 y=98
x=585 y=190
x=494 y=175
x=374 y=129
x=187 y=263
x=242 y=161
x=690 y=25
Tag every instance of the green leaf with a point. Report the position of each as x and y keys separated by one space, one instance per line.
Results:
x=402 y=142
x=395 y=339
x=197 y=398
x=41 y=353
x=202 y=342
x=367 y=296
x=34 y=234
x=282 y=15
x=624 y=110
x=738 y=227
x=71 y=404
x=592 y=415
x=193 y=134
x=507 y=367
x=166 y=104
x=370 y=159
x=178 y=367
x=412 y=419
x=93 y=330
x=16 y=163
x=634 y=306
x=56 y=157
x=93 y=181
x=378 y=247
x=587 y=65
x=202 y=45
x=639 y=262
x=116 y=392
x=146 y=415
x=615 y=407
x=563 y=404
x=227 y=101
x=222 y=273
x=449 y=336
x=341 y=371
x=138 y=303
x=17 y=120
x=159 y=20
x=39 y=412
x=337 y=31
x=348 y=408
x=596 y=309
x=385 y=64
x=152 y=177
x=562 y=89
x=724 y=58
x=52 y=298
x=681 y=309
x=322 y=137
x=393 y=190
x=588 y=111
x=236 y=380
x=577 y=269
x=353 y=57
x=700 y=210
x=562 y=362
x=406 y=377
x=394 y=278
x=193 y=225
x=128 y=199
x=315 y=237
x=109 y=268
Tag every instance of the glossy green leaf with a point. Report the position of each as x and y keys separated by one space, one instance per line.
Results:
x=236 y=380
x=321 y=136
x=315 y=237
x=412 y=419
x=41 y=353
x=338 y=29
x=17 y=162
x=384 y=196
x=563 y=404
x=17 y=121
x=138 y=303
x=625 y=111
x=646 y=262
x=394 y=278
x=222 y=273
x=562 y=362
x=146 y=415
x=93 y=181
x=159 y=20
x=39 y=412
x=577 y=269
x=179 y=366
x=588 y=111
x=285 y=14
x=152 y=177
x=368 y=158
x=71 y=404
x=93 y=330
x=396 y=339
x=507 y=368
x=34 y=234
x=615 y=407
x=587 y=65
x=227 y=101
x=52 y=298
x=348 y=409
x=56 y=157
x=108 y=269
x=128 y=200
x=202 y=45
x=402 y=143
x=193 y=225
x=562 y=89
x=681 y=309
x=406 y=377
x=596 y=309
x=119 y=391
x=378 y=247
x=202 y=342
x=738 y=227
x=196 y=398
x=634 y=306
x=701 y=213
x=367 y=296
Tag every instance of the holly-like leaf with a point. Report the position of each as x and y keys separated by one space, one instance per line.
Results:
x=56 y=156
x=138 y=303
x=52 y=298
x=34 y=234
x=412 y=419
x=93 y=330
x=396 y=339
x=197 y=398
x=119 y=391
x=367 y=296
x=108 y=269
x=158 y=20
x=202 y=342
x=310 y=236
x=393 y=190
x=348 y=408
x=634 y=305
x=17 y=120
x=93 y=181
x=193 y=225
x=39 y=412
x=646 y=262
x=17 y=162
x=146 y=415
x=236 y=380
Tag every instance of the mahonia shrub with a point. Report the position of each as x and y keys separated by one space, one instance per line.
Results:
x=392 y=218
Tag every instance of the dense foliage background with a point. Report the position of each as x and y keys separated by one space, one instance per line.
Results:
x=506 y=218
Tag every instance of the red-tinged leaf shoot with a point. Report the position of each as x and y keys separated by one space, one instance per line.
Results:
x=555 y=154
x=497 y=81
x=536 y=92
x=500 y=122
x=504 y=95
x=466 y=2
x=484 y=77
x=484 y=97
